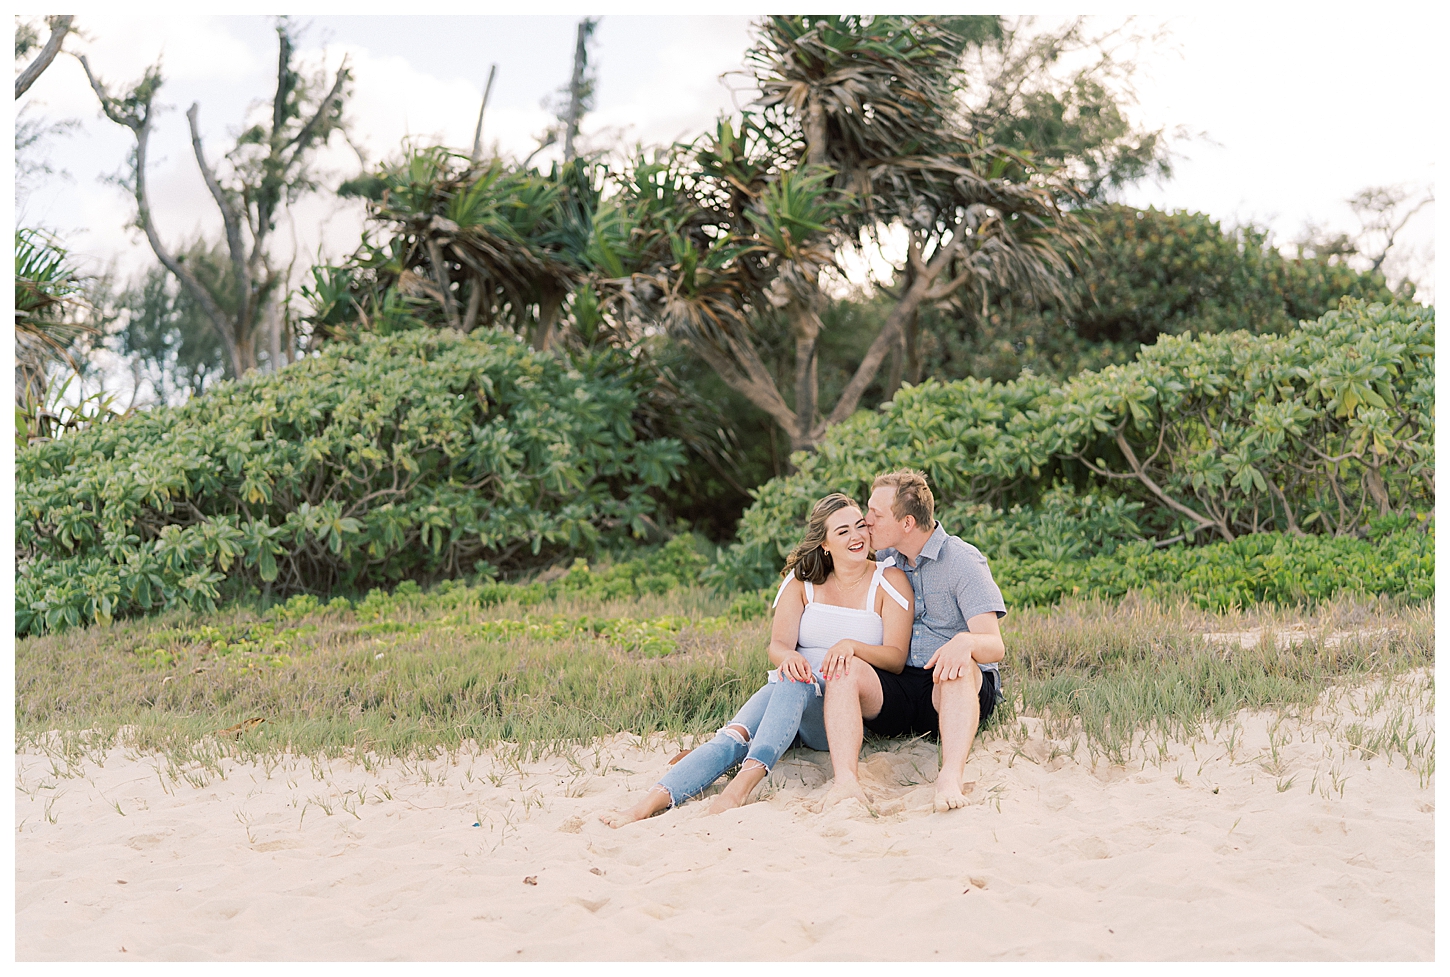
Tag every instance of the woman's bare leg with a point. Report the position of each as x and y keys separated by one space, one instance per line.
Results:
x=655 y=800
x=737 y=792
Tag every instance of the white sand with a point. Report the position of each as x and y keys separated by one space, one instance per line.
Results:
x=1193 y=852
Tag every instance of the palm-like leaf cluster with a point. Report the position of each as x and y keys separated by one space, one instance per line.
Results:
x=482 y=245
x=50 y=312
x=857 y=133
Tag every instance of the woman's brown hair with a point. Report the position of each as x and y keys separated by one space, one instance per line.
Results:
x=809 y=560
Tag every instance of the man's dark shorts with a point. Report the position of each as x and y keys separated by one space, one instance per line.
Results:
x=906 y=702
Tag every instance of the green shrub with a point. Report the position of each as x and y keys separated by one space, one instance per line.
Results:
x=1155 y=272
x=412 y=456
x=1266 y=568
x=1320 y=430
x=1148 y=273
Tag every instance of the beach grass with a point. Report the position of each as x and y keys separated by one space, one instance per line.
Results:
x=410 y=682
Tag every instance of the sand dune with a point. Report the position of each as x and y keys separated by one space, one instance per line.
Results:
x=1269 y=840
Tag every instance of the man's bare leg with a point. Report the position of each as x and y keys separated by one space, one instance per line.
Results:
x=737 y=792
x=655 y=800
x=848 y=699
x=958 y=712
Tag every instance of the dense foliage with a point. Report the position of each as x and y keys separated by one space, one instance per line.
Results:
x=419 y=455
x=1266 y=568
x=1148 y=273
x=1319 y=430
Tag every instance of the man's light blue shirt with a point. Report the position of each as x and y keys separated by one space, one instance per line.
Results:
x=952 y=584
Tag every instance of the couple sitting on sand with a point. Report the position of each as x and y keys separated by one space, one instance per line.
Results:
x=906 y=643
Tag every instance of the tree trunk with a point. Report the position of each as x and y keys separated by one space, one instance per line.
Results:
x=807 y=328
x=273 y=324
x=911 y=347
x=246 y=348
x=576 y=87
x=815 y=130
x=894 y=371
x=549 y=306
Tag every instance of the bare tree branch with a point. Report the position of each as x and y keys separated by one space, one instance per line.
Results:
x=59 y=29
x=926 y=274
x=1172 y=503
x=231 y=220
x=307 y=132
x=478 y=129
x=138 y=120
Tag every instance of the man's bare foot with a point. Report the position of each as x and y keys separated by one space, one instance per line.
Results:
x=843 y=790
x=737 y=792
x=948 y=796
x=655 y=800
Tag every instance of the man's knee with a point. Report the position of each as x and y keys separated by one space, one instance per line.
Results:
x=861 y=683
x=961 y=692
x=844 y=686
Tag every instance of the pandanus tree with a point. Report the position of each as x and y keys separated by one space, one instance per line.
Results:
x=475 y=243
x=50 y=313
x=856 y=143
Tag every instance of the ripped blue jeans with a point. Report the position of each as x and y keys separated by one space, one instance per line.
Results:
x=772 y=718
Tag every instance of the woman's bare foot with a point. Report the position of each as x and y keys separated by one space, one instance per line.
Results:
x=843 y=790
x=655 y=800
x=737 y=792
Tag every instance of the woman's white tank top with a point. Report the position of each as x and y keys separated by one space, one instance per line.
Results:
x=822 y=625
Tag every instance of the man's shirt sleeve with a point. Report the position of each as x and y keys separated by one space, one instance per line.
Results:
x=977 y=592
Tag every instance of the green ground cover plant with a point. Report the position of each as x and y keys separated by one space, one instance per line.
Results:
x=1323 y=430
x=415 y=456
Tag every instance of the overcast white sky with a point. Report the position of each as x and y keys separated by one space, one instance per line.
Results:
x=1297 y=113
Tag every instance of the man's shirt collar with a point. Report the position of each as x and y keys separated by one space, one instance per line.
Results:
x=932 y=549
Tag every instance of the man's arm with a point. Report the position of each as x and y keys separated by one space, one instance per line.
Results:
x=983 y=643
x=986 y=633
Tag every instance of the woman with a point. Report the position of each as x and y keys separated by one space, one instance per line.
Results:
x=835 y=605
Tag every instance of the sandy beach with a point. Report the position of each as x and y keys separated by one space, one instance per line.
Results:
x=1271 y=839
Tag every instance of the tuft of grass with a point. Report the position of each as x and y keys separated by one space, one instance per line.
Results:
x=1125 y=671
x=401 y=684
x=416 y=677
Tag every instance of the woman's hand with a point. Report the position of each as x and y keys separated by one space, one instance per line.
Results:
x=838 y=659
x=795 y=667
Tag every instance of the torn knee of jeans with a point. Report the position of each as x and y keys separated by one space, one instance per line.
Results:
x=738 y=733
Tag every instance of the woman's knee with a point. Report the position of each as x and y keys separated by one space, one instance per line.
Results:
x=735 y=733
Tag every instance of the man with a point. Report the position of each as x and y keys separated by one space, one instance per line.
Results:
x=950 y=682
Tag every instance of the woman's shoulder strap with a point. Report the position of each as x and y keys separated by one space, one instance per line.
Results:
x=781 y=592
x=881 y=569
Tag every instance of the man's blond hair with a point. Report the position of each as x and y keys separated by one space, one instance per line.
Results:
x=913 y=496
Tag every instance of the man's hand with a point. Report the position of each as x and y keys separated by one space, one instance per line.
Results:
x=838 y=659
x=952 y=660
x=795 y=667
